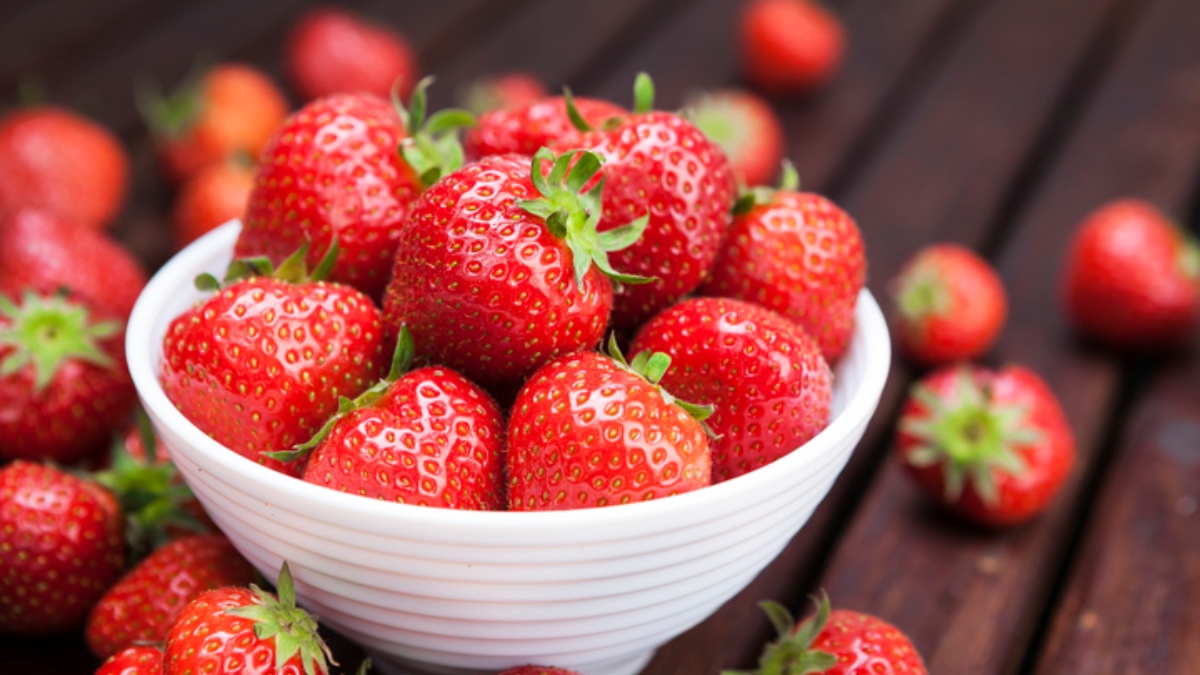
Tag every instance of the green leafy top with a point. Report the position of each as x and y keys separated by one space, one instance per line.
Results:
x=792 y=652
x=652 y=366
x=47 y=332
x=293 y=630
x=173 y=114
x=293 y=270
x=789 y=181
x=431 y=147
x=643 y=102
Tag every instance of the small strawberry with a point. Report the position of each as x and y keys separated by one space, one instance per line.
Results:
x=210 y=198
x=56 y=161
x=950 y=305
x=839 y=642
x=143 y=605
x=789 y=46
x=526 y=129
x=538 y=670
x=240 y=630
x=261 y=364
x=231 y=109
x=139 y=660
x=61 y=545
x=590 y=430
x=994 y=446
x=330 y=51
x=503 y=91
x=764 y=376
x=64 y=385
x=798 y=254
x=746 y=128
x=500 y=268
x=1132 y=278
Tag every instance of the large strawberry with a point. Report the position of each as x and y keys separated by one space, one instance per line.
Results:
x=260 y=365
x=138 y=660
x=993 y=446
x=500 y=267
x=61 y=545
x=546 y=122
x=764 y=376
x=64 y=385
x=591 y=430
x=798 y=254
x=789 y=46
x=660 y=165
x=331 y=50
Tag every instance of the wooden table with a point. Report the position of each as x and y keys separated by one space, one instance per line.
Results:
x=994 y=123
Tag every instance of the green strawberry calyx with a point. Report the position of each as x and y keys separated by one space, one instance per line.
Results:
x=789 y=181
x=47 y=332
x=573 y=215
x=172 y=115
x=431 y=146
x=643 y=102
x=293 y=270
x=792 y=652
x=970 y=435
x=922 y=292
x=1189 y=257
x=293 y=630
x=651 y=367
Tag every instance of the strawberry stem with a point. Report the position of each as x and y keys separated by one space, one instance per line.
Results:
x=792 y=652
x=652 y=366
x=293 y=630
x=432 y=147
x=47 y=332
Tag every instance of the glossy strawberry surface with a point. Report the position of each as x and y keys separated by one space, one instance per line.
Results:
x=139 y=660
x=526 y=129
x=866 y=645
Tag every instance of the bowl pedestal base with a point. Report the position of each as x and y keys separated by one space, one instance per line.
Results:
x=392 y=665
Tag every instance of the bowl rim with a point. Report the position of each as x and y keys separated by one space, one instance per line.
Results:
x=177 y=274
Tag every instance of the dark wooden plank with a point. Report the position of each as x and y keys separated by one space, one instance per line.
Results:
x=971 y=599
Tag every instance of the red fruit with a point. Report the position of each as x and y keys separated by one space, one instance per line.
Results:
x=950 y=305
x=1132 y=278
x=798 y=254
x=994 y=446
x=789 y=46
x=141 y=660
x=44 y=252
x=331 y=51
x=588 y=430
x=746 y=128
x=56 y=161
x=764 y=376
x=144 y=604
x=260 y=365
x=64 y=385
x=526 y=129
x=503 y=91
x=249 y=631
x=538 y=670
x=61 y=545
x=232 y=110
x=210 y=198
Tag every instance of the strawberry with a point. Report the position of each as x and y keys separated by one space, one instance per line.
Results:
x=745 y=127
x=765 y=377
x=44 y=252
x=503 y=91
x=427 y=437
x=64 y=385
x=261 y=364
x=61 y=545
x=1132 y=278
x=231 y=110
x=240 y=630
x=526 y=129
x=590 y=430
x=660 y=165
x=789 y=46
x=949 y=305
x=838 y=642
x=139 y=660
x=500 y=268
x=143 y=605
x=798 y=254
x=538 y=670
x=210 y=198
x=56 y=161
x=994 y=446
x=330 y=51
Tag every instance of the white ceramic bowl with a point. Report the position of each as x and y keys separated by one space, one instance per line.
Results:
x=445 y=591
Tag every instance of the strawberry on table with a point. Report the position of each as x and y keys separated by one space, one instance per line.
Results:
x=138 y=660
x=514 y=89
x=789 y=46
x=330 y=50
x=993 y=446
x=210 y=198
x=527 y=128
x=746 y=128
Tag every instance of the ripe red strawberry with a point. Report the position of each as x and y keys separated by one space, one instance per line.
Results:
x=590 y=430
x=839 y=642
x=660 y=165
x=789 y=46
x=798 y=254
x=514 y=89
x=44 y=252
x=145 y=603
x=526 y=129
x=64 y=385
x=538 y=670
x=231 y=110
x=260 y=365
x=330 y=51
x=427 y=437
x=1132 y=278
x=764 y=376
x=500 y=269
x=994 y=446
x=949 y=305
x=746 y=128
x=240 y=630
x=139 y=660
x=210 y=198
x=56 y=161
x=61 y=545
